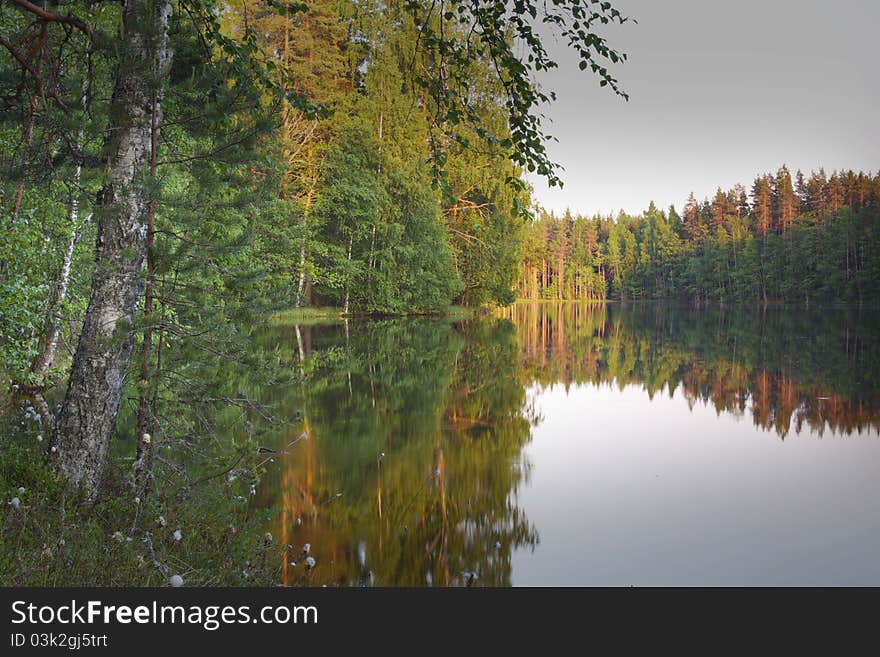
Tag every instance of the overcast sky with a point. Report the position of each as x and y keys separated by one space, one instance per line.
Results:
x=719 y=92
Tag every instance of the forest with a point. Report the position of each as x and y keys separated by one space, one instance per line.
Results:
x=303 y=159
x=174 y=173
x=178 y=175
x=801 y=239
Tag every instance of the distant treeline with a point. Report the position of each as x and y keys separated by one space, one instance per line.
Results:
x=813 y=238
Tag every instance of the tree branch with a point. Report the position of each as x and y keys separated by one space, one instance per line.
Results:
x=49 y=17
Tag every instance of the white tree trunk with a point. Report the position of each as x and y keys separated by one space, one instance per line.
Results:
x=88 y=413
x=59 y=291
x=348 y=275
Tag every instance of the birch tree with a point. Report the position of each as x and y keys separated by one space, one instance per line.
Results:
x=88 y=413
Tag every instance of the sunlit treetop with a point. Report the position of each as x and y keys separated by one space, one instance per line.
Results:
x=454 y=35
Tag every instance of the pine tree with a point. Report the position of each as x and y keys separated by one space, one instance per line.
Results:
x=785 y=202
x=762 y=204
x=719 y=210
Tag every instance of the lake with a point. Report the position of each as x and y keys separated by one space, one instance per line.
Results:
x=575 y=444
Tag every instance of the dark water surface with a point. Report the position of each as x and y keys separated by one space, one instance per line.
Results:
x=570 y=444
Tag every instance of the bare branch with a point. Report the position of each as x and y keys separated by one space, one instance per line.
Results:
x=49 y=17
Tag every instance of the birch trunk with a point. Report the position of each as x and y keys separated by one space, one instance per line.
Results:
x=301 y=284
x=347 y=277
x=88 y=413
x=59 y=294
x=59 y=291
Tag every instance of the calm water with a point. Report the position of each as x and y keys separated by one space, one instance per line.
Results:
x=568 y=444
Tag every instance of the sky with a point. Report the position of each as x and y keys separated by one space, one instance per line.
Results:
x=719 y=92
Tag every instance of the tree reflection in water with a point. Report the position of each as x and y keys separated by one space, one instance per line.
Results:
x=786 y=368
x=416 y=428
x=412 y=464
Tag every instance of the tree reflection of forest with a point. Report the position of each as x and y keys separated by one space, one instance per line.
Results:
x=787 y=368
x=413 y=459
x=416 y=427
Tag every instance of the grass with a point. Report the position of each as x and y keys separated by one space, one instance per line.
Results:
x=462 y=312
x=308 y=315
x=49 y=538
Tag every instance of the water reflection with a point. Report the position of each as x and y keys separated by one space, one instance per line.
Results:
x=414 y=454
x=789 y=370
x=416 y=470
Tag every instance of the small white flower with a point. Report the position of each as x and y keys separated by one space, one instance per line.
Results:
x=15 y=502
x=175 y=580
x=21 y=490
x=54 y=449
x=146 y=439
x=310 y=562
x=162 y=521
x=118 y=537
x=40 y=438
x=137 y=500
x=305 y=550
x=177 y=535
x=268 y=537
